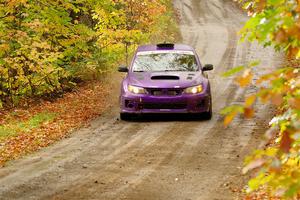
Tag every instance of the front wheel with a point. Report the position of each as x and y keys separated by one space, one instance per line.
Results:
x=208 y=115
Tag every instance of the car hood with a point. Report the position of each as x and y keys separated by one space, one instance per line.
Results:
x=165 y=79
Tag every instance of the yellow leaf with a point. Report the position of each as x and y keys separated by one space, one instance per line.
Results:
x=265 y=95
x=263 y=78
x=228 y=119
x=250 y=100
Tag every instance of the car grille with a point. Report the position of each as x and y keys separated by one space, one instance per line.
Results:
x=165 y=92
x=164 y=105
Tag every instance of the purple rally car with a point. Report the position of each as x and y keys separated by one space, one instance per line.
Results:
x=165 y=78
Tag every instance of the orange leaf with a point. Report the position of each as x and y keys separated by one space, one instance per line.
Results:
x=286 y=142
x=280 y=36
x=292 y=51
x=261 y=5
x=277 y=99
x=246 y=79
x=264 y=78
x=294 y=103
x=248 y=112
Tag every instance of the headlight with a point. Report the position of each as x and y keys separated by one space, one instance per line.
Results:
x=194 y=90
x=136 y=90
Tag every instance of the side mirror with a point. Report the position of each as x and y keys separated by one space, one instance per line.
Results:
x=123 y=69
x=208 y=67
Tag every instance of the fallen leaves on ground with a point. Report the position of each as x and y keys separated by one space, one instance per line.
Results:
x=261 y=195
x=72 y=111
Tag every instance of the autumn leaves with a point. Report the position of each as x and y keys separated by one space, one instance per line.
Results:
x=274 y=23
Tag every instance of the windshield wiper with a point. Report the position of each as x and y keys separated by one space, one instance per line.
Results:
x=139 y=71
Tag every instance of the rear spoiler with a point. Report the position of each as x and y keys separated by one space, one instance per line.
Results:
x=165 y=46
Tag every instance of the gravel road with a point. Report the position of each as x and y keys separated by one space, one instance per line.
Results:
x=162 y=158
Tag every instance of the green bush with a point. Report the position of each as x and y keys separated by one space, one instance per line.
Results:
x=46 y=46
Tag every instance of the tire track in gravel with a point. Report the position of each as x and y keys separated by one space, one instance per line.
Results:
x=134 y=135
x=137 y=166
x=154 y=159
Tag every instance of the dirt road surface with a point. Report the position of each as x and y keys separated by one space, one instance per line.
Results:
x=163 y=158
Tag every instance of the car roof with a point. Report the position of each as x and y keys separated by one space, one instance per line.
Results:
x=180 y=47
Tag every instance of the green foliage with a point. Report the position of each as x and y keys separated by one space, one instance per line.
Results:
x=238 y=69
x=45 y=45
x=274 y=23
x=39 y=40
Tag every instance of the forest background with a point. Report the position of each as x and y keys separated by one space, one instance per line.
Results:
x=54 y=57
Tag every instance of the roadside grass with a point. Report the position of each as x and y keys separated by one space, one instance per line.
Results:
x=25 y=130
x=15 y=126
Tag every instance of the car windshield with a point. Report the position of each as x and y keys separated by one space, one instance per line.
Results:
x=165 y=61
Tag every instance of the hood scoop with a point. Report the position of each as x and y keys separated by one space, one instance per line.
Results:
x=165 y=77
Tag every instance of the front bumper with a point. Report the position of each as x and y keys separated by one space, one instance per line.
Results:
x=139 y=104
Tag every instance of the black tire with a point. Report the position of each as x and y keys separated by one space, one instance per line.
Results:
x=208 y=115
x=125 y=116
